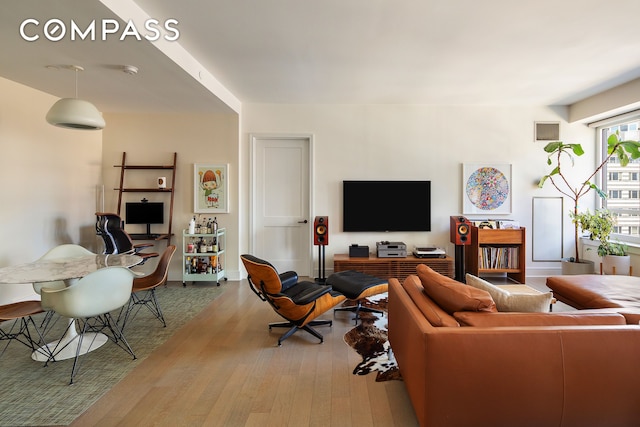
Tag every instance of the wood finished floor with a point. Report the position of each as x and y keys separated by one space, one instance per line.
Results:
x=224 y=368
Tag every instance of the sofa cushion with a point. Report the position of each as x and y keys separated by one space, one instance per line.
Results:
x=538 y=319
x=506 y=301
x=434 y=314
x=452 y=295
x=583 y=291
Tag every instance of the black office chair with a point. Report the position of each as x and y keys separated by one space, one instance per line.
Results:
x=116 y=240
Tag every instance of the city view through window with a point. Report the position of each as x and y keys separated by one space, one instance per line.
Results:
x=622 y=184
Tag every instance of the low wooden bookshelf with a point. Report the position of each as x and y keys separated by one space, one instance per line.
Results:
x=386 y=268
x=497 y=251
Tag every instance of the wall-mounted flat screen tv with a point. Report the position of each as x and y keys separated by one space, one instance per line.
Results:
x=386 y=206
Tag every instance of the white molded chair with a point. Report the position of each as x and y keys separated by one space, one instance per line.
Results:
x=90 y=300
x=62 y=251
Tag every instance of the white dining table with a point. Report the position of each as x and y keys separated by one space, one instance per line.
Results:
x=69 y=270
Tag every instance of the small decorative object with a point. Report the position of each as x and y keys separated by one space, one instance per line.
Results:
x=486 y=188
x=211 y=188
x=162 y=182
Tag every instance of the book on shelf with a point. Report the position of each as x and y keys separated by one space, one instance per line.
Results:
x=498 y=257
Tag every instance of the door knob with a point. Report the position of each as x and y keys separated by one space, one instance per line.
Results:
x=303 y=222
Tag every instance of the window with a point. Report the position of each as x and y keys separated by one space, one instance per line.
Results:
x=621 y=184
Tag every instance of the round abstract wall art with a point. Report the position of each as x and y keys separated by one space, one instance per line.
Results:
x=487 y=188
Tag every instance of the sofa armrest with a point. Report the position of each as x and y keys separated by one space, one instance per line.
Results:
x=468 y=318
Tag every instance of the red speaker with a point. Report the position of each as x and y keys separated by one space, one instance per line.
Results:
x=460 y=230
x=321 y=231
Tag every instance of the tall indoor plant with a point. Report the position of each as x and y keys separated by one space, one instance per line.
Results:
x=560 y=177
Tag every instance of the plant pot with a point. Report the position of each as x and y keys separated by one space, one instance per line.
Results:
x=616 y=264
x=573 y=268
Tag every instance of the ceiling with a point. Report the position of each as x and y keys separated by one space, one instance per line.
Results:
x=440 y=52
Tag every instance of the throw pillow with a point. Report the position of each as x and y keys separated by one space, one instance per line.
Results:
x=432 y=312
x=506 y=301
x=451 y=295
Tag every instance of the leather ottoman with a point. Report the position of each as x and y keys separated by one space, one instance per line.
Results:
x=356 y=286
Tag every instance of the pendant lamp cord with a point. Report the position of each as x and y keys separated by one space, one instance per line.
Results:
x=76 y=83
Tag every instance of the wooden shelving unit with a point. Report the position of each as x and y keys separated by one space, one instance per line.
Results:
x=170 y=189
x=386 y=268
x=497 y=251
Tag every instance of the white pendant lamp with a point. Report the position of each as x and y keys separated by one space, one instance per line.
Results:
x=74 y=113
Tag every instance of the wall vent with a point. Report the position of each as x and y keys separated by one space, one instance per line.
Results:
x=547 y=131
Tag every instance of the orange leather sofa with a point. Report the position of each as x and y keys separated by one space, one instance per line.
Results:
x=479 y=367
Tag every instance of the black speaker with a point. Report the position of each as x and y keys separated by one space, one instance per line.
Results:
x=460 y=230
x=321 y=231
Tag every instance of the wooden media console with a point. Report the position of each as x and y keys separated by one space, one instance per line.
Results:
x=386 y=268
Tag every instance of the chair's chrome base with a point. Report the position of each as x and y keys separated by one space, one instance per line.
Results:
x=294 y=328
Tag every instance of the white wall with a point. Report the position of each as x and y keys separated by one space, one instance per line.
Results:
x=151 y=139
x=50 y=174
x=415 y=142
x=48 y=179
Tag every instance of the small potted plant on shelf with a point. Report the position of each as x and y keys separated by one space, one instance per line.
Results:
x=599 y=225
x=558 y=153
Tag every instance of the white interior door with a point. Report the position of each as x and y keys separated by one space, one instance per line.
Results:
x=280 y=193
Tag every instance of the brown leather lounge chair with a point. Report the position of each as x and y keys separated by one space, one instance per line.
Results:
x=298 y=302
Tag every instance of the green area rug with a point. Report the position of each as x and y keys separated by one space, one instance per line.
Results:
x=33 y=395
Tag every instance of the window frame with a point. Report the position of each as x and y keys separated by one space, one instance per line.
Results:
x=601 y=142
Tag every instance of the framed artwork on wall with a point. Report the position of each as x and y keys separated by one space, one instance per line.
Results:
x=210 y=188
x=486 y=188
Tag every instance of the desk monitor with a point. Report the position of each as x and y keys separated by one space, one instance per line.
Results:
x=144 y=213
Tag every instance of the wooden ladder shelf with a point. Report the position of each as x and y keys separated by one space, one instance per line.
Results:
x=170 y=188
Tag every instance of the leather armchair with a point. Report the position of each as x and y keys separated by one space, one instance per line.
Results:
x=298 y=302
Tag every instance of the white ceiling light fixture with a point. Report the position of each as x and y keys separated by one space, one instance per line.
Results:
x=74 y=113
x=132 y=70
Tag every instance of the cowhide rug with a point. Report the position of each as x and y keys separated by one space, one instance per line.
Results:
x=369 y=340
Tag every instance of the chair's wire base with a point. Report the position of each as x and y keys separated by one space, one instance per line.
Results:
x=356 y=309
x=294 y=328
x=98 y=324
x=136 y=302
x=23 y=335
